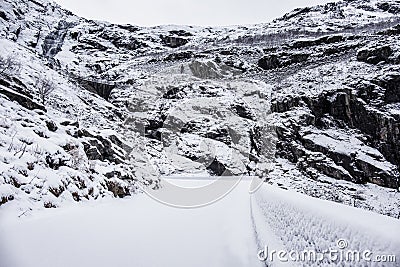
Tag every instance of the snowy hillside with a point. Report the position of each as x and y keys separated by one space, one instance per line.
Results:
x=308 y=105
x=325 y=78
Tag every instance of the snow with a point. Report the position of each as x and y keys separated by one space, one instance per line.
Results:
x=136 y=231
x=139 y=231
x=369 y=196
x=302 y=222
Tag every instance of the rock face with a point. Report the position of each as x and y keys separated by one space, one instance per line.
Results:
x=391 y=85
x=269 y=62
x=389 y=7
x=209 y=69
x=275 y=61
x=173 y=41
x=317 y=89
x=330 y=39
x=344 y=109
x=100 y=148
x=374 y=55
x=54 y=41
x=103 y=89
x=23 y=100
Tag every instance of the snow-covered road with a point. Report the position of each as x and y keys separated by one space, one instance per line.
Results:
x=138 y=231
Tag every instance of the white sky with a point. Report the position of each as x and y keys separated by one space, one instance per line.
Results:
x=185 y=12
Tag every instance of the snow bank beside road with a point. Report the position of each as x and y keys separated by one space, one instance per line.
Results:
x=300 y=222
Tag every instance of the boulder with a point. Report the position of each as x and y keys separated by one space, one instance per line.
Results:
x=218 y=169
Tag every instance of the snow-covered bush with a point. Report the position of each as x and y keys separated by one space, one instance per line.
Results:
x=9 y=65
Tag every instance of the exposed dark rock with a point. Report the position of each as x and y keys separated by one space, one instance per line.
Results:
x=347 y=110
x=3 y=15
x=55 y=161
x=4 y=83
x=319 y=41
x=152 y=129
x=49 y=205
x=53 y=42
x=75 y=35
x=174 y=93
x=374 y=55
x=285 y=104
x=269 y=62
x=210 y=69
x=101 y=88
x=323 y=164
x=173 y=41
x=392 y=31
x=218 y=169
x=129 y=27
x=242 y=111
x=296 y=12
x=220 y=134
x=179 y=56
x=383 y=129
x=360 y=170
x=5 y=199
x=393 y=8
x=332 y=50
x=128 y=43
x=180 y=33
x=23 y=100
x=99 y=147
x=274 y=61
x=118 y=189
x=235 y=62
x=391 y=85
x=70 y=123
x=88 y=44
x=92 y=152
x=57 y=191
x=51 y=125
x=297 y=58
x=199 y=127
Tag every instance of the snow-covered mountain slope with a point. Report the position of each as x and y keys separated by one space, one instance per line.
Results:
x=318 y=89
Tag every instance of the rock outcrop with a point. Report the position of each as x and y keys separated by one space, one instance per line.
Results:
x=374 y=55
